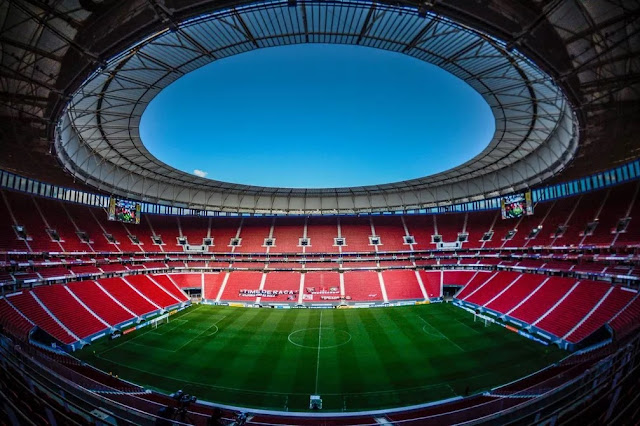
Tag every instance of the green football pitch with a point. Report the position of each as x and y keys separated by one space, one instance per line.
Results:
x=355 y=359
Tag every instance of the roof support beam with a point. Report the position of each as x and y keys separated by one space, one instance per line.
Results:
x=365 y=25
x=626 y=17
x=414 y=42
x=245 y=28
x=30 y=48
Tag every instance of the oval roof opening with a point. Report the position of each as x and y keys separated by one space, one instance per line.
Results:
x=317 y=116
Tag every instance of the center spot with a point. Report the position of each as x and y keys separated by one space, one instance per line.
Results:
x=314 y=338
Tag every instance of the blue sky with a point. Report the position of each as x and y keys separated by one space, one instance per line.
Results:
x=317 y=116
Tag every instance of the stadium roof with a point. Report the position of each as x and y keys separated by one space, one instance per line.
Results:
x=97 y=64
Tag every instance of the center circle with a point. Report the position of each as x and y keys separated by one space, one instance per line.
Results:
x=319 y=338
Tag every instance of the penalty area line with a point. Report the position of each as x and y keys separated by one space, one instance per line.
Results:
x=461 y=323
x=201 y=333
x=440 y=333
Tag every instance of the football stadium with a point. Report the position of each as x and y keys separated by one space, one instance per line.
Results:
x=395 y=213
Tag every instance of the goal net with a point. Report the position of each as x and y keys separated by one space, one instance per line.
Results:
x=162 y=319
x=482 y=319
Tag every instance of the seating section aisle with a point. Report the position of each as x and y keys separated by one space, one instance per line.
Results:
x=477 y=224
x=492 y=287
x=194 y=229
x=212 y=284
x=127 y=296
x=222 y=231
x=118 y=230
x=166 y=283
x=457 y=277
x=362 y=286
x=59 y=221
x=100 y=303
x=614 y=209
x=543 y=299
x=253 y=233
x=573 y=307
x=356 y=232
x=31 y=309
x=85 y=223
x=321 y=232
x=165 y=227
x=431 y=281
x=450 y=225
x=521 y=288
x=26 y=214
x=478 y=279
x=288 y=281
x=155 y=293
x=391 y=233
x=287 y=233
x=615 y=301
x=628 y=319
x=421 y=229
x=241 y=280
x=402 y=285
x=68 y=310
x=12 y=321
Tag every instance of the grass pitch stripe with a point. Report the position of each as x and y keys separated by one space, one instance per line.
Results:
x=370 y=358
x=318 y=357
x=441 y=334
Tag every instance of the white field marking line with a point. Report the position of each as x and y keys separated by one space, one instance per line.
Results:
x=144 y=345
x=212 y=386
x=475 y=331
x=453 y=391
x=167 y=328
x=430 y=333
x=439 y=332
x=324 y=347
x=142 y=334
x=201 y=333
x=318 y=357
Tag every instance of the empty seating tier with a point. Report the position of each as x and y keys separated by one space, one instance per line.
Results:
x=12 y=321
x=152 y=291
x=573 y=307
x=543 y=299
x=402 y=285
x=362 y=286
x=69 y=311
x=240 y=284
x=281 y=287
x=127 y=296
x=100 y=303
x=30 y=308
x=492 y=287
x=523 y=287
x=478 y=280
x=432 y=282
x=212 y=284
x=616 y=299
x=166 y=283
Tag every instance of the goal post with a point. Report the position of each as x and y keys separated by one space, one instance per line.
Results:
x=481 y=318
x=162 y=319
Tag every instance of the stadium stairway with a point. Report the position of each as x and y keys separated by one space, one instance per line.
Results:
x=100 y=302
